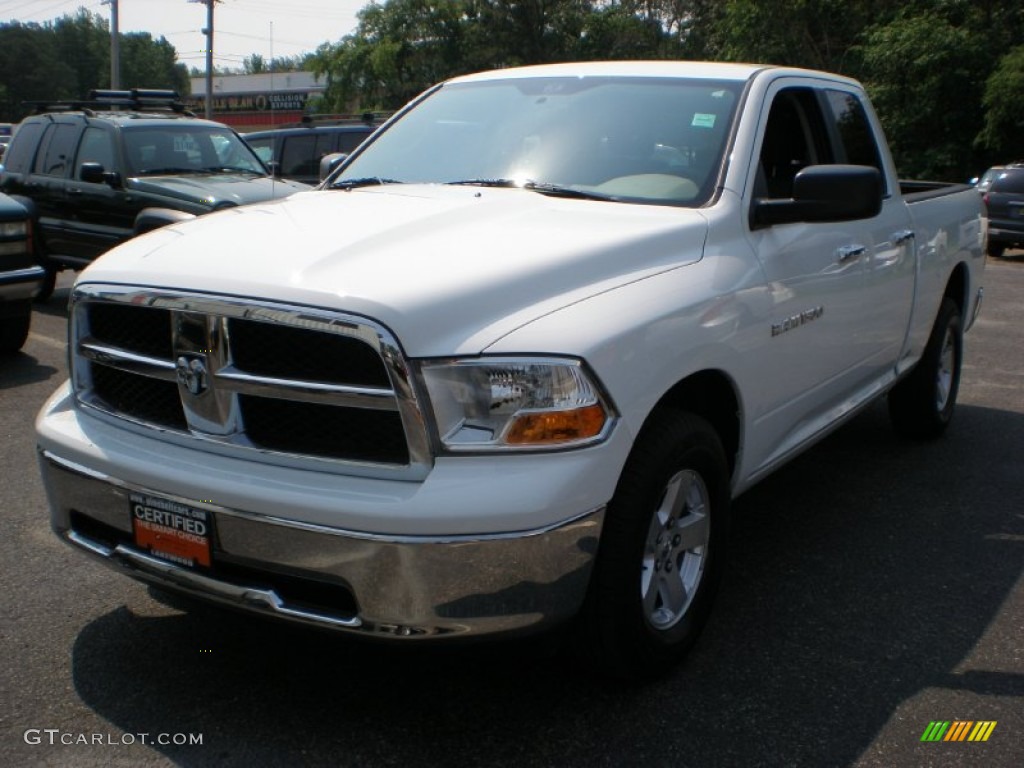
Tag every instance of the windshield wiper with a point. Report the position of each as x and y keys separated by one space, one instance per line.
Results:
x=368 y=181
x=486 y=183
x=546 y=188
x=232 y=169
x=165 y=171
x=543 y=187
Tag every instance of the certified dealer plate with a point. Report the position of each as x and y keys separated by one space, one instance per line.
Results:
x=170 y=530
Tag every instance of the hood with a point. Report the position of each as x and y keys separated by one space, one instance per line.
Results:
x=448 y=269
x=213 y=189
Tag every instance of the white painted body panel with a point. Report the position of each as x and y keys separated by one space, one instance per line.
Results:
x=646 y=295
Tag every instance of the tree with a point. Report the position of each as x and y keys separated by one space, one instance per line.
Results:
x=925 y=75
x=69 y=57
x=1004 y=108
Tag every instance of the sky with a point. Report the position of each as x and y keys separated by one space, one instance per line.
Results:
x=271 y=28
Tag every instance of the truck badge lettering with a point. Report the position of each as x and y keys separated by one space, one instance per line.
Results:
x=795 y=321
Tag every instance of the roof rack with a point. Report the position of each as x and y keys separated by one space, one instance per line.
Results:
x=137 y=99
x=370 y=118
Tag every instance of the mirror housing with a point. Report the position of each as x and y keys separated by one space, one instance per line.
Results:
x=823 y=193
x=95 y=173
x=328 y=163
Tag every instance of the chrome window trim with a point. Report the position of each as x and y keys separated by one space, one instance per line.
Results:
x=215 y=311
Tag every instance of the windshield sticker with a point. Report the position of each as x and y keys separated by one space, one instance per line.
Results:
x=703 y=120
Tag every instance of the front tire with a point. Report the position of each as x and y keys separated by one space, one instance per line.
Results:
x=921 y=406
x=662 y=549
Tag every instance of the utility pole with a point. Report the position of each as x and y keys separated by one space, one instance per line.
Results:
x=115 y=46
x=209 y=59
x=208 y=31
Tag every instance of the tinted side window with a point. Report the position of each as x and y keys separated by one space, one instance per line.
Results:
x=349 y=141
x=59 y=150
x=297 y=156
x=97 y=147
x=19 y=156
x=794 y=138
x=858 y=141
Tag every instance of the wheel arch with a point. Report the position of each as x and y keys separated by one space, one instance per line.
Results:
x=958 y=287
x=712 y=395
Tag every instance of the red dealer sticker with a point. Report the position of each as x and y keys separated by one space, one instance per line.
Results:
x=172 y=531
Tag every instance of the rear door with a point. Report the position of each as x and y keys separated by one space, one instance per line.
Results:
x=47 y=183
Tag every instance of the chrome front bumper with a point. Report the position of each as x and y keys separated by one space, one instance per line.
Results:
x=387 y=586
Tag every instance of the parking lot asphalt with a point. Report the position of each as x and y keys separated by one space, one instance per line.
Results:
x=874 y=587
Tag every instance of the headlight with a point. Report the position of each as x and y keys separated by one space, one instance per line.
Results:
x=491 y=403
x=13 y=228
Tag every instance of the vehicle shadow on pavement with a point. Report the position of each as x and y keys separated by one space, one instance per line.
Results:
x=56 y=305
x=20 y=369
x=860 y=575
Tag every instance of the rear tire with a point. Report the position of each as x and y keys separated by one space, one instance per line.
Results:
x=662 y=549
x=921 y=406
x=995 y=250
x=14 y=329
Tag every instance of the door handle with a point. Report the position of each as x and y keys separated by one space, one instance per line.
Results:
x=903 y=236
x=849 y=253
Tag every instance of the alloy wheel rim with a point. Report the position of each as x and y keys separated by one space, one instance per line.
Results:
x=676 y=550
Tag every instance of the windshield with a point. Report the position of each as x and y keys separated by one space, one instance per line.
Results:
x=650 y=140
x=188 y=148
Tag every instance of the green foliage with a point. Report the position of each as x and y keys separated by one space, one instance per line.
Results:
x=945 y=77
x=1004 y=108
x=925 y=75
x=69 y=57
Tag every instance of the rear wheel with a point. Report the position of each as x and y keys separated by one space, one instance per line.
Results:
x=661 y=550
x=996 y=250
x=921 y=406
x=14 y=328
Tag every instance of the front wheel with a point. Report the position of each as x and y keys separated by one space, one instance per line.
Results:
x=661 y=551
x=921 y=406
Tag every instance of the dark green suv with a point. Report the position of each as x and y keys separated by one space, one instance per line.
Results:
x=93 y=174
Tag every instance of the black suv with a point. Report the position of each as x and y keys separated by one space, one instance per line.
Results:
x=295 y=153
x=1004 y=206
x=95 y=173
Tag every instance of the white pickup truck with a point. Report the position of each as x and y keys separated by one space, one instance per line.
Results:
x=510 y=364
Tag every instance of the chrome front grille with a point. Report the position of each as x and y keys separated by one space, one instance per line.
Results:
x=279 y=382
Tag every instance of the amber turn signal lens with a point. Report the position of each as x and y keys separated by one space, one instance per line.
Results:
x=547 y=427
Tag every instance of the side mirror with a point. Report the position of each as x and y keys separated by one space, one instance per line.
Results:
x=275 y=168
x=823 y=193
x=328 y=163
x=95 y=173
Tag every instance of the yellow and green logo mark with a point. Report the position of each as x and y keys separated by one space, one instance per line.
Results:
x=958 y=730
